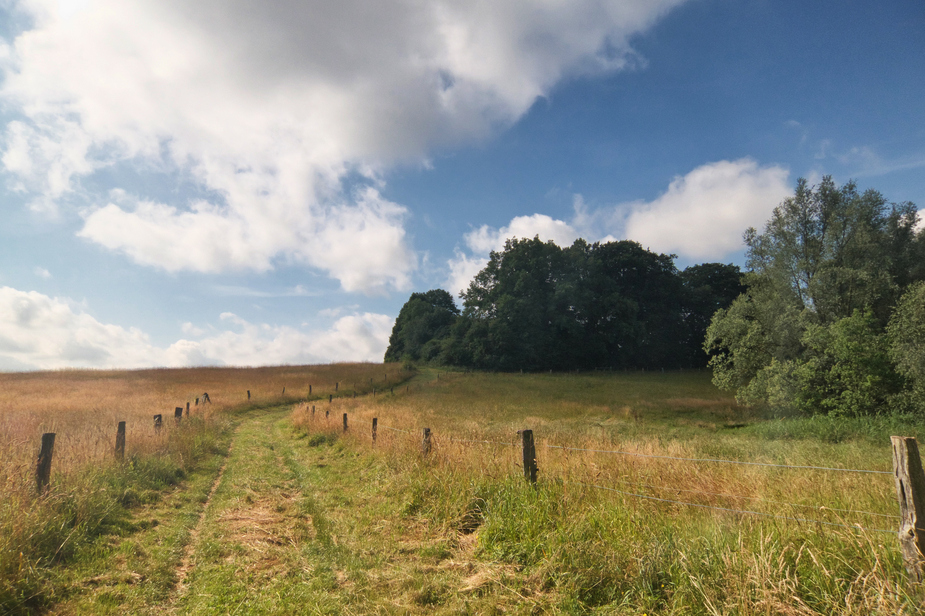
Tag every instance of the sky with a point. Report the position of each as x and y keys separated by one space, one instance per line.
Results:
x=261 y=183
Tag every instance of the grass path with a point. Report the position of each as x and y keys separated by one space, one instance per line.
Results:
x=286 y=524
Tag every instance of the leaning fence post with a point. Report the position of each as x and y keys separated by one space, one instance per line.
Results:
x=910 y=489
x=529 y=456
x=43 y=468
x=120 y=441
x=157 y=423
x=178 y=414
x=375 y=425
x=345 y=422
x=425 y=442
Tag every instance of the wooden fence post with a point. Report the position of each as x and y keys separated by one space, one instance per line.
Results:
x=284 y=392
x=345 y=422
x=309 y=390
x=330 y=398
x=529 y=456
x=43 y=468
x=336 y=386
x=178 y=414
x=425 y=442
x=120 y=441
x=375 y=425
x=248 y=394
x=158 y=419
x=187 y=409
x=313 y=411
x=910 y=488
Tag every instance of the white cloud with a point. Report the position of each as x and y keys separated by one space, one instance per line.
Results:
x=41 y=332
x=41 y=272
x=701 y=216
x=359 y=337
x=272 y=105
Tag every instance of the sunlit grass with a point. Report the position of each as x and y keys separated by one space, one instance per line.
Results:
x=90 y=490
x=626 y=533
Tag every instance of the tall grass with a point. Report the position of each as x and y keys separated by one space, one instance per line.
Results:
x=621 y=533
x=91 y=492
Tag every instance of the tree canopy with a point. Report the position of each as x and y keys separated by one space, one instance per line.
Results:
x=536 y=306
x=823 y=279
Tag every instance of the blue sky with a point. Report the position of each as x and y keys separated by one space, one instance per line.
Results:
x=261 y=183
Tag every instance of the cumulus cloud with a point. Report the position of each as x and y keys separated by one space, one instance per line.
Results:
x=701 y=216
x=41 y=332
x=273 y=105
x=38 y=331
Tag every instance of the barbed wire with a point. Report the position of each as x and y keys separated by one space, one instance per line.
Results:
x=759 y=499
x=649 y=455
x=729 y=510
x=464 y=440
x=393 y=429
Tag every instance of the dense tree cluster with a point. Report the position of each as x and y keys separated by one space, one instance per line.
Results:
x=832 y=320
x=536 y=306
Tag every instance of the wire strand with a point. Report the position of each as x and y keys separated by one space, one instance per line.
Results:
x=649 y=455
x=759 y=499
x=757 y=513
x=393 y=429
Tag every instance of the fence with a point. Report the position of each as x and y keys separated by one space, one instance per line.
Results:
x=907 y=473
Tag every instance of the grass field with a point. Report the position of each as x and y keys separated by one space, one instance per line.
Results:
x=268 y=508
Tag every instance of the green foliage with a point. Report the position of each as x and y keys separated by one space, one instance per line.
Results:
x=823 y=279
x=537 y=307
x=846 y=370
x=424 y=321
x=906 y=333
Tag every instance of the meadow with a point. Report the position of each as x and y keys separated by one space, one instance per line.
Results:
x=635 y=510
x=89 y=487
x=267 y=506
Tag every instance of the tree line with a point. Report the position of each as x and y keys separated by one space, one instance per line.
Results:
x=536 y=306
x=828 y=316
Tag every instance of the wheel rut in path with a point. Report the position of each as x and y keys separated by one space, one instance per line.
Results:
x=186 y=562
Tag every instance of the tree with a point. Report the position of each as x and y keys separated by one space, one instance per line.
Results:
x=708 y=287
x=422 y=325
x=906 y=335
x=823 y=277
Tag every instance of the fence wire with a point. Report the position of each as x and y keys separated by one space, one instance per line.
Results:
x=730 y=510
x=649 y=455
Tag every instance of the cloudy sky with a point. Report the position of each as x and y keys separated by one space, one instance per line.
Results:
x=245 y=183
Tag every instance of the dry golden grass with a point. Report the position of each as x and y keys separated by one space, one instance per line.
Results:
x=83 y=407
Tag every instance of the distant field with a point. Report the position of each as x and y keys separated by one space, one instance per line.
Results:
x=84 y=406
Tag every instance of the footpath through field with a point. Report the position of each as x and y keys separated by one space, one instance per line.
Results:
x=287 y=525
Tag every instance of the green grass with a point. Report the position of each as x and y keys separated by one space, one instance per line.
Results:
x=309 y=520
